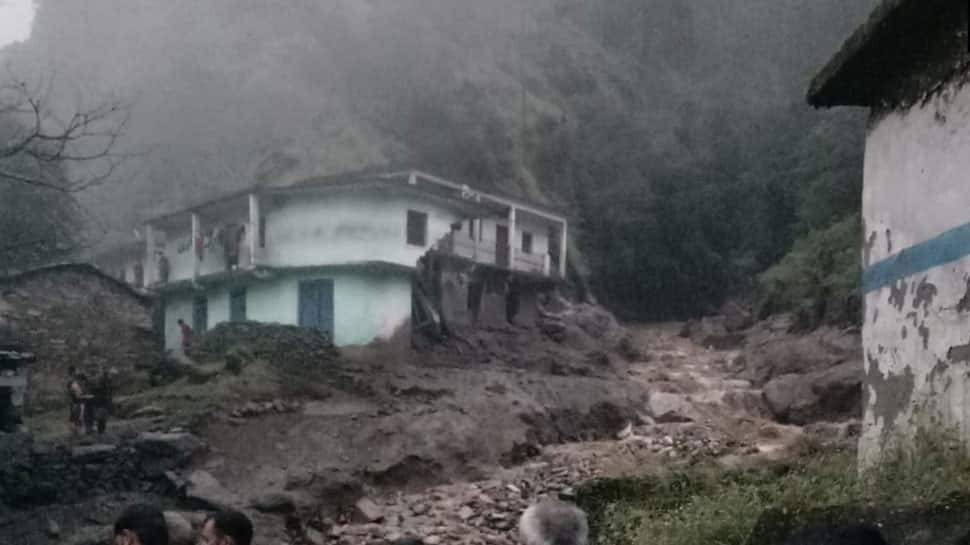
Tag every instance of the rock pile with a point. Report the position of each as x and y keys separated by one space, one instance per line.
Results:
x=277 y=343
x=254 y=409
x=483 y=513
x=33 y=474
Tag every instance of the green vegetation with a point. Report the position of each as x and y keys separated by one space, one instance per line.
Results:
x=707 y=505
x=818 y=276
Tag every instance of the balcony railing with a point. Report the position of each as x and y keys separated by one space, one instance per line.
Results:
x=485 y=252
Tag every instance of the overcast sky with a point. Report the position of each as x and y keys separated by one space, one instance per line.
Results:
x=15 y=18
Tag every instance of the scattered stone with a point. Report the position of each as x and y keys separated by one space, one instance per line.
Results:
x=204 y=489
x=315 y=537
x=53 y=529
x=182 y=446
x=92 y=453
x=466 y=513
x=274 y=502
x=369 y=510
x=149 y=411
x=671 y=408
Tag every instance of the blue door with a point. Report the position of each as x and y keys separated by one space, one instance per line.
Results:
x=237 y=305
x=316 y=305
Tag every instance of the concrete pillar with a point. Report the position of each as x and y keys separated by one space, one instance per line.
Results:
x=512 y=238
x=149 y=270
x=562 y=251
x=254 y=220
x=196 y=233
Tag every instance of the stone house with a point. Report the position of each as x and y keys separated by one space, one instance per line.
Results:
x=336 y=253
x=76 y=315
x=909 y=65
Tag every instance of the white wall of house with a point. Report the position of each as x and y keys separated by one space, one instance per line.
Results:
x=311 y=230
x=349 y=228
x=367 y=305
x=916 y=208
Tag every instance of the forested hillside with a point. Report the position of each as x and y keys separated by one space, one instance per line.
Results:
x=674 y=132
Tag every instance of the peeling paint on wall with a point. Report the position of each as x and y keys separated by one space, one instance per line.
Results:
x=893 y=395
x=867 y=249
x=925 y=292
x=897 y=294
x=960 y=353
x=963 y=305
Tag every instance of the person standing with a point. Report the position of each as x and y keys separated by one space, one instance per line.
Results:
x=75 y=395
x=186 y=335
x=101 y=399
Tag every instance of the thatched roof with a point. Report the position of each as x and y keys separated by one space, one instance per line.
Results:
x=900 y=52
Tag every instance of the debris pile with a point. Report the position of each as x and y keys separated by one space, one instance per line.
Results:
x=254 y=409
x=34 y=473
x=482 y=513
x=285 y=345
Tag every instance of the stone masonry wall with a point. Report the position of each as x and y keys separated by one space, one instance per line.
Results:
x=75 y=315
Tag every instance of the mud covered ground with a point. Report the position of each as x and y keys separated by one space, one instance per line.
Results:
x=449 y=443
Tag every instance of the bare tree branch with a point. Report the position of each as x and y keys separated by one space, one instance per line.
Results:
x=85 y=143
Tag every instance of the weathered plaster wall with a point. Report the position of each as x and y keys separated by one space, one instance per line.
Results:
x=348 y=228
x=367 y=305
x=917 y=313
x=539 y=230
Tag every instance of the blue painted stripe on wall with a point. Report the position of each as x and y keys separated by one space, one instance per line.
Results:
x=939 y=250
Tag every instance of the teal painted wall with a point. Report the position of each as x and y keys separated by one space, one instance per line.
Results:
x=367 y=306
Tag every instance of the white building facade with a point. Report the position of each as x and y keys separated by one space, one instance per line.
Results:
x=909 y=66
x=334 y=254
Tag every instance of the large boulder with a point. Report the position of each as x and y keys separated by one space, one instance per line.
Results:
x=712 y=332
x=832 y=394
x=736 y=316
x=770 y=353
x=172 y=449
x=667 y=408
x=204 y=490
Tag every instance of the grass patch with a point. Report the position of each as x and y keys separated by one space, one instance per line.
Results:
x=708 y=505
x=189 y=396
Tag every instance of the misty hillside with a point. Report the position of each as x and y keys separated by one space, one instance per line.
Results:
x=675 y=132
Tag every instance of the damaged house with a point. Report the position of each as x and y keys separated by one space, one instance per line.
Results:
x=909 y=65
x=342 y=254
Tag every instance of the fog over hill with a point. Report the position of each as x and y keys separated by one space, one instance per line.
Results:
x=618 y=111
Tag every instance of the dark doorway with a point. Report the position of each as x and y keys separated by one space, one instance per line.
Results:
x=502 y=246
x=200 y=314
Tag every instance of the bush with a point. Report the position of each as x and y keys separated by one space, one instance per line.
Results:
x=819 y=278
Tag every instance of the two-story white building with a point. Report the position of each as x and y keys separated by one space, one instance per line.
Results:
x=333 y=253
